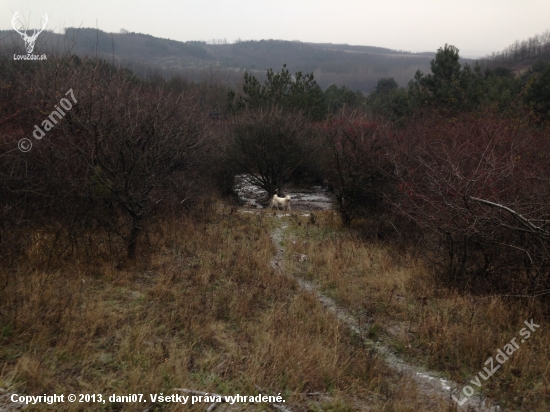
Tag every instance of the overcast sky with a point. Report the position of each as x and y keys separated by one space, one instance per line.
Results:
x=476 y=27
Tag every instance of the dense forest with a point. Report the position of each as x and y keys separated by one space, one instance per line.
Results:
x=454 y=88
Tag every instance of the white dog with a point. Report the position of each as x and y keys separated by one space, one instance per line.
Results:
x=277 y=201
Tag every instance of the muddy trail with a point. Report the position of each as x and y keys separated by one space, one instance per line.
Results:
x=431 y=385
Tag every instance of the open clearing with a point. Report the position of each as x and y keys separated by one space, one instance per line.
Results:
x=254 y=301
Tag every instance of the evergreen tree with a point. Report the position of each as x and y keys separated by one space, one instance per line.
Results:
x=388 y=100
x=442 y=87
x=292 y=93
x=338 y=97
x=538 y=89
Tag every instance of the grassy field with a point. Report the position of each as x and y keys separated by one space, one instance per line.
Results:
x=204 y=310
x=403 y=303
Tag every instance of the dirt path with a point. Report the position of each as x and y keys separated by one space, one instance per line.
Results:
x=430 y=383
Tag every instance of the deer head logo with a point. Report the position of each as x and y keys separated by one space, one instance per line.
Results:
x=29 y=40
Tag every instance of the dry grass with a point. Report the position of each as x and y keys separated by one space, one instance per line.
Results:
x=204 y=311
x=406 y=305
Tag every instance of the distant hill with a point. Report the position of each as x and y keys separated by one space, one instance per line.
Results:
x=357 y=67
x=520 y=55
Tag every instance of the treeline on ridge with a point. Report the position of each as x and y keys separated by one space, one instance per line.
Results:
x=357 y=67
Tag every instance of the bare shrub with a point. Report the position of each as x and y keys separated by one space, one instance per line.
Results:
x=480 y=186
x=125 y=150
x=358 y=165
x=270 y=144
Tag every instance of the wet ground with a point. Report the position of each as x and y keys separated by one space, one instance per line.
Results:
x=312 y=198
x=431 y=385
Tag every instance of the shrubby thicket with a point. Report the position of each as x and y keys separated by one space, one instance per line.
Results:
x=455 y=163
x=127 y=151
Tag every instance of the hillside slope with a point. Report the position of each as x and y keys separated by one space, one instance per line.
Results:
x=358 y=67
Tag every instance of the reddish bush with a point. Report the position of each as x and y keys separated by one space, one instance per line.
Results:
x=125 y=150
x=357 y=165
x=480 y=185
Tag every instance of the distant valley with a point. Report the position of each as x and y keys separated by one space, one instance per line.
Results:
x=357 y=67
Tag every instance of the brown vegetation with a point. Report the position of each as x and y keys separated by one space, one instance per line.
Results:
x=126 y=151
x=478 y=185
x=120 y=272
x=206 y=312
x=404 y=303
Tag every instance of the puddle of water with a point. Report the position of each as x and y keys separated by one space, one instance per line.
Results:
x=310 y=198
x=315 y=198
x=248 y=211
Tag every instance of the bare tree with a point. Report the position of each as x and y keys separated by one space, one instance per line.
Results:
x=480 y=186
x=357 y=165
x=269 y=145
x=140 y=138
x=124 y=149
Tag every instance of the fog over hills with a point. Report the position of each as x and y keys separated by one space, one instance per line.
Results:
x=357 y=67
